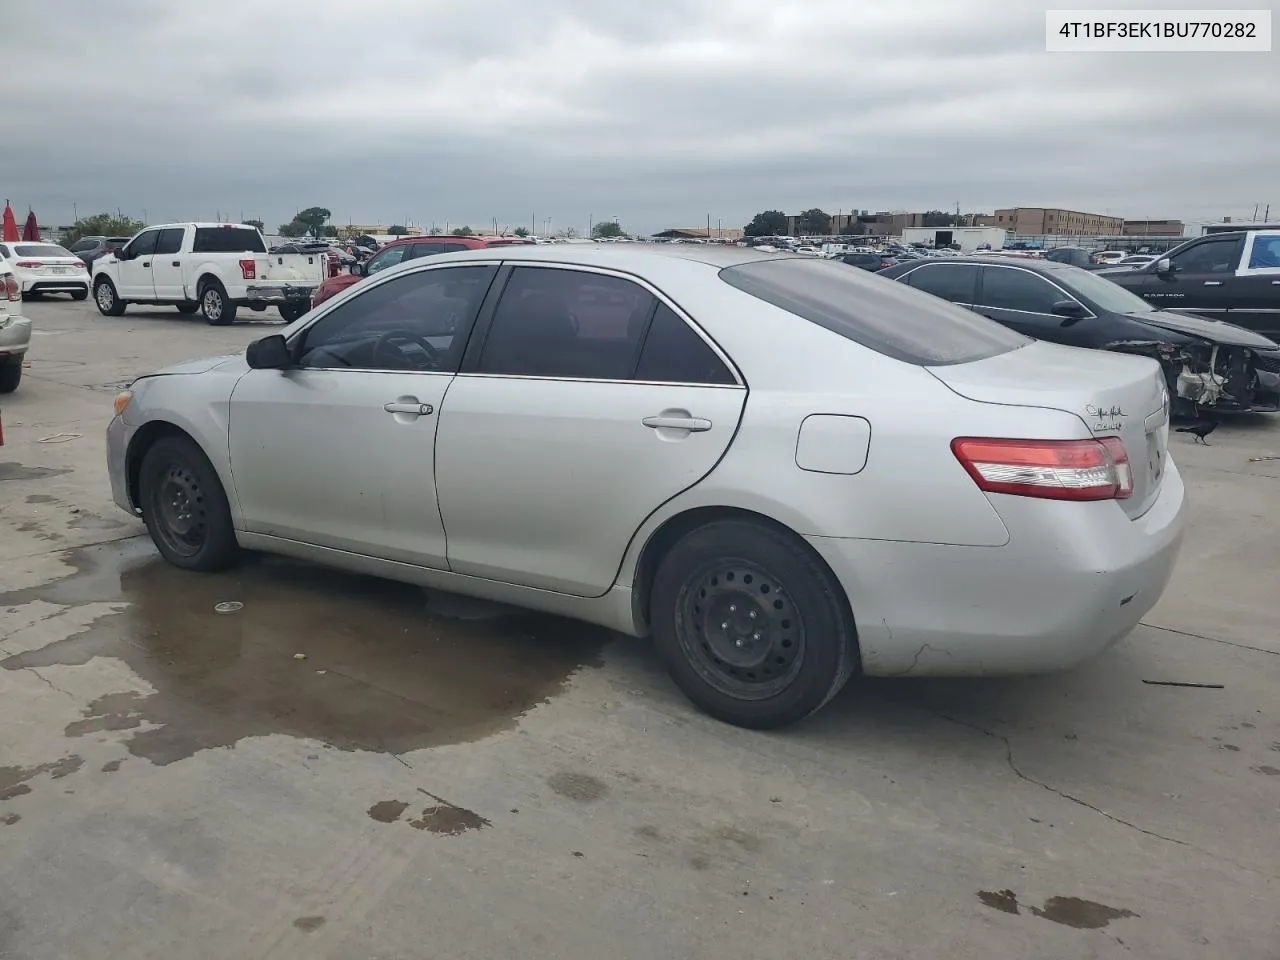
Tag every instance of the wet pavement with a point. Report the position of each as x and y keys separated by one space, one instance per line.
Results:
x=341 y=767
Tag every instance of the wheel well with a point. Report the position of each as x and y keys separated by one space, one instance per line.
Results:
x=204 y=281
x=670 y=533
x=142 y=441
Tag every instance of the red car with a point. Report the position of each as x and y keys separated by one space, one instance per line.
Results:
x=407 y=248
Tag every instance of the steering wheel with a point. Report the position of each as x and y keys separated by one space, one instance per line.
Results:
x=395 y=338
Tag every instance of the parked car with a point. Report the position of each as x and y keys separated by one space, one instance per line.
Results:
x=89 y=249
x=1206 y=363
x=1137 y=260
x=1108 y=257
x=42 y=268
x=567 y=428
x=867 y=261
x=1075 y=256
x=1226 y=276
x=15 y=330
x=407 y=248
x=211 y=267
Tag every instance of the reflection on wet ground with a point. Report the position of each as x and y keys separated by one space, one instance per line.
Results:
x=357 y=662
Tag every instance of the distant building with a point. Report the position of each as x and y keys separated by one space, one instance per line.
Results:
x=1153 y=228
x=376 y=229
x=700 y=233
x=1053 y=221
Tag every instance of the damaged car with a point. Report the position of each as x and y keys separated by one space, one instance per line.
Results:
x=1208 y=364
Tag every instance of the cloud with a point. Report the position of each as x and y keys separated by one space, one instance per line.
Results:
x=657 y=113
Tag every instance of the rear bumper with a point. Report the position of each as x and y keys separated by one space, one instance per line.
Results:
x=299 y=293
x=15 y=336
x=1073 y=579
x=69 y=284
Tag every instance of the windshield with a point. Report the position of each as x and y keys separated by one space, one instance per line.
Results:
x=39 y=250
x=1104 y=294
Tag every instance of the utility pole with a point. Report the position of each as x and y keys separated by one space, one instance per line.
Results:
x=708 y=226
x=1266 y=217
x=1255 y=212
x=591 y=222
x=533 y=223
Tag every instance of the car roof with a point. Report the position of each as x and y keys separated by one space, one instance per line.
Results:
x=1033 y=264
x=483 y=239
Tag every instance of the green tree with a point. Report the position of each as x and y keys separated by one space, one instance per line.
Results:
x=521 y=232
x=292 y=229
x=815 y=222
x=328 y=230
x=256 y=223
x=462 y=231
x=397 y=230
x=313 y=220
x=102 y=225
x=770 y=223
x=606 y=229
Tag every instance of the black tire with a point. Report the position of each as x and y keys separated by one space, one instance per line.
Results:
x=10 y=374
x=32 y=295
x=787 y=642
x=188 y=308
x=79 y=294
x=185 y=507
x=107 y=299
x=217 y=309
x=290 y=312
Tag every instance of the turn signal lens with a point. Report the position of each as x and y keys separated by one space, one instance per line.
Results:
x=122 y=401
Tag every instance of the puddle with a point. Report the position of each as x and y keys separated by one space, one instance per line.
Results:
x=1068 y=911
x=381 y=671
x=16 y=471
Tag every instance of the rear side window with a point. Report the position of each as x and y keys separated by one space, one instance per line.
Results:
x=228 y=240
x=880 y=314
x=1266 y=253
x=956 y=282
x=417 y=250
x=673 y=353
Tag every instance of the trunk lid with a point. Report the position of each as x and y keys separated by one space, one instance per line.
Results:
x=1114 y=395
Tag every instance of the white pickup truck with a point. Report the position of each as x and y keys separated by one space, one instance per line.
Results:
x=211 y=267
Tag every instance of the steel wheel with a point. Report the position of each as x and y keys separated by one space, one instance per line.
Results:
x=747 y=639
x=179 y=504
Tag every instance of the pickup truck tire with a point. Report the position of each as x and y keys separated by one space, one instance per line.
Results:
x=188 y=308
x=291 y=311
x=217 y=309
x=10 y=374
x=185 y=507
x=108 y=301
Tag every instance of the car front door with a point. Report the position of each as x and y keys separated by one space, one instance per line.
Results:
x=135 y=267
x=1257 y=305
x=166 y=267
x=339 y=450
x=585 y=402
x=1024 y=301
x=1203 y=279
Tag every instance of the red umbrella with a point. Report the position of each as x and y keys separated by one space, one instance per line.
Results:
x=31 y=229
x=10 y=225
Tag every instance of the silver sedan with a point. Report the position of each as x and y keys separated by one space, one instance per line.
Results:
x=782 y=469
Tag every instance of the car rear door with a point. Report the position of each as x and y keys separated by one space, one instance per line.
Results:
x=957 y=282
x=585 y=402
x=166 y=267
x=1257 y=304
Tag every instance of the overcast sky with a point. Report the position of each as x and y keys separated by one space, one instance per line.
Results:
x=659 y=112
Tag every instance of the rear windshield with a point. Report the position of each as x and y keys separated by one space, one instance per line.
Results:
x=39 y=250
x=877 y=312
x=228 y=240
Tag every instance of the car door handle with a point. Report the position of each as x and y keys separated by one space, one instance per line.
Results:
x=420 y=409
x=175 y=263
x=1213 y=283
x=692 y=424
x=146 y=263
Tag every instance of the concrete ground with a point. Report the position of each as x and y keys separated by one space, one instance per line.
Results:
x=429 y=779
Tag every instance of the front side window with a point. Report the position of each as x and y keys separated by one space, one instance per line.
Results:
x=416 y=322
x=143 y=245
x=887 y=317
x=386 y=258
x=1007 y=288
x=1213 y=256
x=567 y=323
x=170 y=240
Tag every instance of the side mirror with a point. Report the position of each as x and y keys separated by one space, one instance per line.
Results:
x=357 y=269
x=121 y=254
x=269 y=353
x=1164 y=266
x=1071 y=309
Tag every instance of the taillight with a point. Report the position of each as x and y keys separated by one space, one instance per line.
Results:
x=248 y=269
x=11 y=288
x=30 y=264
x=1049 y=469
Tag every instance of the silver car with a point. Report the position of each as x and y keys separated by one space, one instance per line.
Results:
x=781 y=469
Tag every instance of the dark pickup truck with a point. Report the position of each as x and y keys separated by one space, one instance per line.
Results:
x=1223 y=276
